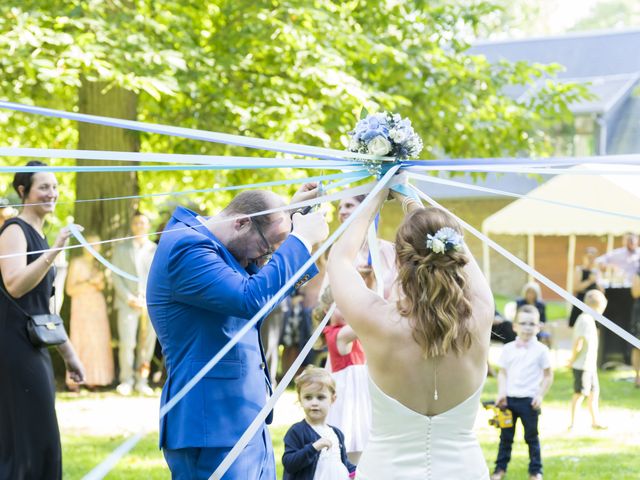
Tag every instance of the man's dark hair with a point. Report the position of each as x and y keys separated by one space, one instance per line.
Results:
x=248 y=202
x=24 y=179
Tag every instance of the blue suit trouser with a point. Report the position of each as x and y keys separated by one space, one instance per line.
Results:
x=256 y=462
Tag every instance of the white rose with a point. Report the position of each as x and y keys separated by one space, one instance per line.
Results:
x=354 y=145
x=437 y=245
x=398 y=135
x=379 y=146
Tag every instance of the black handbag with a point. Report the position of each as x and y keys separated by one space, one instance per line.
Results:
x=43 y=330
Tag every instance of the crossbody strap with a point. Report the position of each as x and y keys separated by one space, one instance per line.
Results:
x=10 y=298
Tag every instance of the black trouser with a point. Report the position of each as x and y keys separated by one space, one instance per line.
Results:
x=522 y=409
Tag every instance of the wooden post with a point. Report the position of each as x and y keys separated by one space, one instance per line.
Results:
x=486 y=264
x=531 y=253
x=571 y=260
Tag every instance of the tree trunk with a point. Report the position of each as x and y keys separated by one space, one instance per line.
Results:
x=107 y=218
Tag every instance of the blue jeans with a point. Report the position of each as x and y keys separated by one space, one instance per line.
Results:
x=256 y=462
x=522 y=409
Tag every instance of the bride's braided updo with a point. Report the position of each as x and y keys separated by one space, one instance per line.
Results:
x=434 y=283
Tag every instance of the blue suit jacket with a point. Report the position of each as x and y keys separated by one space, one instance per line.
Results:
x=198 y=297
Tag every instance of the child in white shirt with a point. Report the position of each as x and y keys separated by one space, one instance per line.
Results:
x=584 y=359
x=525 y=377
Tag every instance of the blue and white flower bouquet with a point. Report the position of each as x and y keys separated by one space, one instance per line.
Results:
x=386 y=135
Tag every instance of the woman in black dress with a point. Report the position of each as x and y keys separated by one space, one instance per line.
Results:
x=29 y=435
x=585 y=278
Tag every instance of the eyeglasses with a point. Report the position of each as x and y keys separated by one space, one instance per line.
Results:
x=527 y=324
x=265 y=257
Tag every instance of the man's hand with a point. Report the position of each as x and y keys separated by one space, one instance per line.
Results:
x=305 y=192
x=501 y=401
x=312 y=227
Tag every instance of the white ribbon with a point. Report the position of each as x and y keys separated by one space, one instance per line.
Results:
x=195 y=134
x=73 y=228
x=258 y=422
x=277 y=297
x=350 y=192
x=442 y=181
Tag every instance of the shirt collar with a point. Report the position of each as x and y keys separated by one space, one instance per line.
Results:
x=522 y=344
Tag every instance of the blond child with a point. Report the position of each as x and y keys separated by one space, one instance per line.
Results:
x=525 y=377
x=314 y=450
x=584 y=359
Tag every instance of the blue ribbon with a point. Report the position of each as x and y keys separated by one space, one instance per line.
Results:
x=629 y=159
x=348 y=177
x=531 y=170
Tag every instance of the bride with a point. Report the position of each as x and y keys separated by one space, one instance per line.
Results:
x=426 y=353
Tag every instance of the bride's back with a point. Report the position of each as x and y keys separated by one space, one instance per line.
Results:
x=398 y=367
x=436 y=337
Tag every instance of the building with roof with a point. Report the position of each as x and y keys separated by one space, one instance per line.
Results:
x=609 y=123
x=604 y=62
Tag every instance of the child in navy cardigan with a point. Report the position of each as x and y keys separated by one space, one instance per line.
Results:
x=314 y=450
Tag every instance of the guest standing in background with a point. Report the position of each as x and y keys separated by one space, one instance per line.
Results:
x=585 y=278
x=89 y=324
x=136 y=335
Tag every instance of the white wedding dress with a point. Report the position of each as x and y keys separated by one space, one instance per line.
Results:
x=406 y=445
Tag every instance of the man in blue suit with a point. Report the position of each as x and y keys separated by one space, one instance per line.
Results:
x=208 y=278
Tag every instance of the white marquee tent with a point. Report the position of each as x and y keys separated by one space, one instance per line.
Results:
x=618 y=193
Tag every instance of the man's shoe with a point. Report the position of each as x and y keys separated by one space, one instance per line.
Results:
x=498 y=475
x=536 y=476
x=124 y=389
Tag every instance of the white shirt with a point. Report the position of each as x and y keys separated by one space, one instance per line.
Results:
x=330 y=466
x=524 y=366
x=587 y=358
x=624 y=260
x=143 y=256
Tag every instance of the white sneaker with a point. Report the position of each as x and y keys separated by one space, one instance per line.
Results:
x=124 y=389
x=145 y=390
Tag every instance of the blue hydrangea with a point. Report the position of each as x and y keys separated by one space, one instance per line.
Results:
x=385 y=134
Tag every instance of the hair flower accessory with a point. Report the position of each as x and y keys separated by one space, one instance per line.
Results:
x=444 y=240
x=385 y=134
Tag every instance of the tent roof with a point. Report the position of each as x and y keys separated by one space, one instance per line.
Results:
x=615 y=193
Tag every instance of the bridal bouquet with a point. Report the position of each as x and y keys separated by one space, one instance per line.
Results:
x=386 y=135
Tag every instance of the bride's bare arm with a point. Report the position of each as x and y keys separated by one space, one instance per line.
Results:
x=350 y=292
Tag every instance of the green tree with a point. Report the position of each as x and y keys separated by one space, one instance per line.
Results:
x=288 y=70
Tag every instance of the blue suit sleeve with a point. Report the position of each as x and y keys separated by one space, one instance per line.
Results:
x=297 y=455
x=200 y=276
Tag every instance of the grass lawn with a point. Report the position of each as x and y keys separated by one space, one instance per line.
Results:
x=602 y=455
